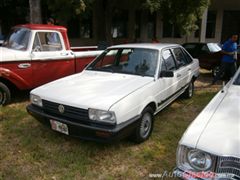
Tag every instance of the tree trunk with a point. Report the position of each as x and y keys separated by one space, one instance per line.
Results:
x=35 y=11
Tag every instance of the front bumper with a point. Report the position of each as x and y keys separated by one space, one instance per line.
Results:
x=88 y=132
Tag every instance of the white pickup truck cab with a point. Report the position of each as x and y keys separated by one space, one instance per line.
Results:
x=118 y=94
x=210 y=147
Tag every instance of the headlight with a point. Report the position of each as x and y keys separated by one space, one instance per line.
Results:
x=189 y=159
x=102 y=116
x=36 y=100
x=199 y=160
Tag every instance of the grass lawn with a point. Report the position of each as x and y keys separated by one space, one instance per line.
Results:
x=29 y=150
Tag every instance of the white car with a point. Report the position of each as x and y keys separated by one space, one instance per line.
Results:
x=118 y=93
x=210 y=147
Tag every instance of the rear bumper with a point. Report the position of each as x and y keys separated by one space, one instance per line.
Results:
x=88 y=132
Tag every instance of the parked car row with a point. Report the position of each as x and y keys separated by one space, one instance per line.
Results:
x=113 y=94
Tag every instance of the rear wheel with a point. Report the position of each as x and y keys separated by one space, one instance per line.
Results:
x=5 y=95
x=145 y=126
x=188 y=93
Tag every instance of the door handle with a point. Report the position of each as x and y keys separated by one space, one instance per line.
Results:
x=189 y=69
x=179 y=75
x=64 y=54
x=24 y=65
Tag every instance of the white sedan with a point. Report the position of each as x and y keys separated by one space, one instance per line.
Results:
x=210 y=147
x=118 y=94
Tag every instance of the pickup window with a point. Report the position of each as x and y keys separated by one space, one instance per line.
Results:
x=18 y=39
x=47 y=41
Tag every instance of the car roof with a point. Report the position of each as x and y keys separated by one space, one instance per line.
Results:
x=157 y=46
x=41 y=27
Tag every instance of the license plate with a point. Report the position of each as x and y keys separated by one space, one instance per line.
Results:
x=60 y=127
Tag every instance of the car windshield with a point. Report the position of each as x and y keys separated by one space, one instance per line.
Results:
x=214 y=47
x=137 y=61
x=18 y=39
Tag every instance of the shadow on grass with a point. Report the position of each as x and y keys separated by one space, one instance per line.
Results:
x=20 y=96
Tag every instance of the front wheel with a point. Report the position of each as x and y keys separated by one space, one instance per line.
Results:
x=145 y=126
x=188 y=93
x=5 y=95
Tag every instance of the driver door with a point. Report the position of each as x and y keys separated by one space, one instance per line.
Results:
x=50 y=60
x=167 y=86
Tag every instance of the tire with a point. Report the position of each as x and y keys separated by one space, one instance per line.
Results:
x=215 y=71
x=188 y=93
x=144 y=127
x=5 y=95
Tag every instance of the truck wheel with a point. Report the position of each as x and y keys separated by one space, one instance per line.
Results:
x=5 y=94
x=145 y=126
x=188 y=93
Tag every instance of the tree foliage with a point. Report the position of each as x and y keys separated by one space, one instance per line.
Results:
x=64 y=10
x=182 y=13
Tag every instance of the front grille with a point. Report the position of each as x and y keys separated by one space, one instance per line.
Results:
x=70 y=113
x=229 y=165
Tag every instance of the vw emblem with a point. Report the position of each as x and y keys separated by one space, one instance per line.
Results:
x=61 y=109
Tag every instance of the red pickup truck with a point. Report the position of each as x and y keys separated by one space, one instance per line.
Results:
x=35 y=54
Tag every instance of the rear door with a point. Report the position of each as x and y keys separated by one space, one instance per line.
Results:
x=50 y=60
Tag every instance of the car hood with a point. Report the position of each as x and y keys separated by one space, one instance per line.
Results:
x=217 y=129
x=91 y=89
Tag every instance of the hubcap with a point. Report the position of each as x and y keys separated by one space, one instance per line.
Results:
x=146 y=125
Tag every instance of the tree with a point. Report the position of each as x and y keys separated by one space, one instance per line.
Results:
x=182 y=13
x=35 y=11
x=65 y=10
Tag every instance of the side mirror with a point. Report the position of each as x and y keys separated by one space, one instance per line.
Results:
x=167 y=74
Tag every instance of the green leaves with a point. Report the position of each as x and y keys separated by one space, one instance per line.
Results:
x=182 y=13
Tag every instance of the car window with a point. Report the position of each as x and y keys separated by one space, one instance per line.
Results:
x=191 y=48
x=107 y=60
x=18 y=39
x=168 y=62
x=188 y=58
x=47 y=41
x=214 y=47
x=180 y=58
x=204 y=49
x=137 y=61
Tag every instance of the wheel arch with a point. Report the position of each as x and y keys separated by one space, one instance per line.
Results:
x=8 y=83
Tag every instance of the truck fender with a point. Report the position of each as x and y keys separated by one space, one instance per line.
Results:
x=15 y=79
